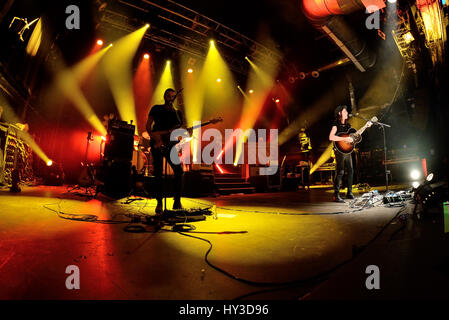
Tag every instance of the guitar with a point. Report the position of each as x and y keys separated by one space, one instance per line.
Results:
x=356 y=135
x=161 y=139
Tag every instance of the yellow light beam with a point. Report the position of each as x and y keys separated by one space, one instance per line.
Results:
x=323 y=158
x=68 y=81
x=10 y=116
x=117 y=66
x=165 y=82
x=261 y=82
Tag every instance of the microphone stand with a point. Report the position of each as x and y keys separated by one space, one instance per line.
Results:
x=382 y=126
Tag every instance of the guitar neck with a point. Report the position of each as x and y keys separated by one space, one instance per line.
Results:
x=188 y=129
x=362 y=129
x=199 y=125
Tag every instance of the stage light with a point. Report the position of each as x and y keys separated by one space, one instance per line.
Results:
x=429 y=178
x=277 y=100
x=190 y=70
x=408 y=37
x=219 y=80
x=110 y=45
x=415 y=184
x=49 y=163
x=147 y=25
x=212 y=43
x=103 y=138
x=99 y=42
x=146 y=56
x=392 y=1
x=251 y=91
x=415 y=174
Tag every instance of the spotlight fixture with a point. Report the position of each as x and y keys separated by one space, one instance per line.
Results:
x=415 y=174
x=146 y=56
x=99 y=42
x=277 y=100
x=49 y=163
x=219 y=80
x=212 y=42
x=190 y=70
x=251 y=91
x=408 y=37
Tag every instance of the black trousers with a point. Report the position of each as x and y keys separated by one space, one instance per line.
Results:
x=158 y=157
x=343 y=160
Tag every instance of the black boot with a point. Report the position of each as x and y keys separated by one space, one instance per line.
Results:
x=177 y=204
x=159 y=207
x=337 y=198
x=349 y=195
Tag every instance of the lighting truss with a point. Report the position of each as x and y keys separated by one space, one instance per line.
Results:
x=192 y=32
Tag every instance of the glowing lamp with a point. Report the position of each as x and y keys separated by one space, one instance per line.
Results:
x=49 y=163
x=190 y=70
x=99 y=42
x=415 y=174
x=408 y=37
x=251 y=91
x=218 y=80
x=146 y=56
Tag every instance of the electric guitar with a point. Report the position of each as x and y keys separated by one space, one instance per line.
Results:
x=161 y=139
x=356 y=135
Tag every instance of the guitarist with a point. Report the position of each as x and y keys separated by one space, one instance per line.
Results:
x=165 y=117
x=341 y=125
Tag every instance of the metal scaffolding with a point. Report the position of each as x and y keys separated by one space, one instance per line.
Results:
x=178 y=27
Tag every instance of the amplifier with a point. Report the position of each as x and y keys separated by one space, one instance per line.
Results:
x=122 y=126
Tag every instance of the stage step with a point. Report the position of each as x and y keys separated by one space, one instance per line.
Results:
x=232 y=183
x=226 y=191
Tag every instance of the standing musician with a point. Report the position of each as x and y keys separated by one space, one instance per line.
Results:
x=161 y=118
x=341 y=125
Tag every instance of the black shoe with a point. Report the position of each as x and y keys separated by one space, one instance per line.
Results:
x=337 y=198
x=349 y=195
x=177 y=204
x=159 y=207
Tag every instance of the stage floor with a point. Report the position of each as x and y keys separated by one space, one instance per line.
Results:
x=280 y=238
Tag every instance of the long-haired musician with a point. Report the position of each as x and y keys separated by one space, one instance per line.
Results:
x=343 y=160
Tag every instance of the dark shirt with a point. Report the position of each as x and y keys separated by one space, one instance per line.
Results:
x=341 y=127
x=165 y=119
